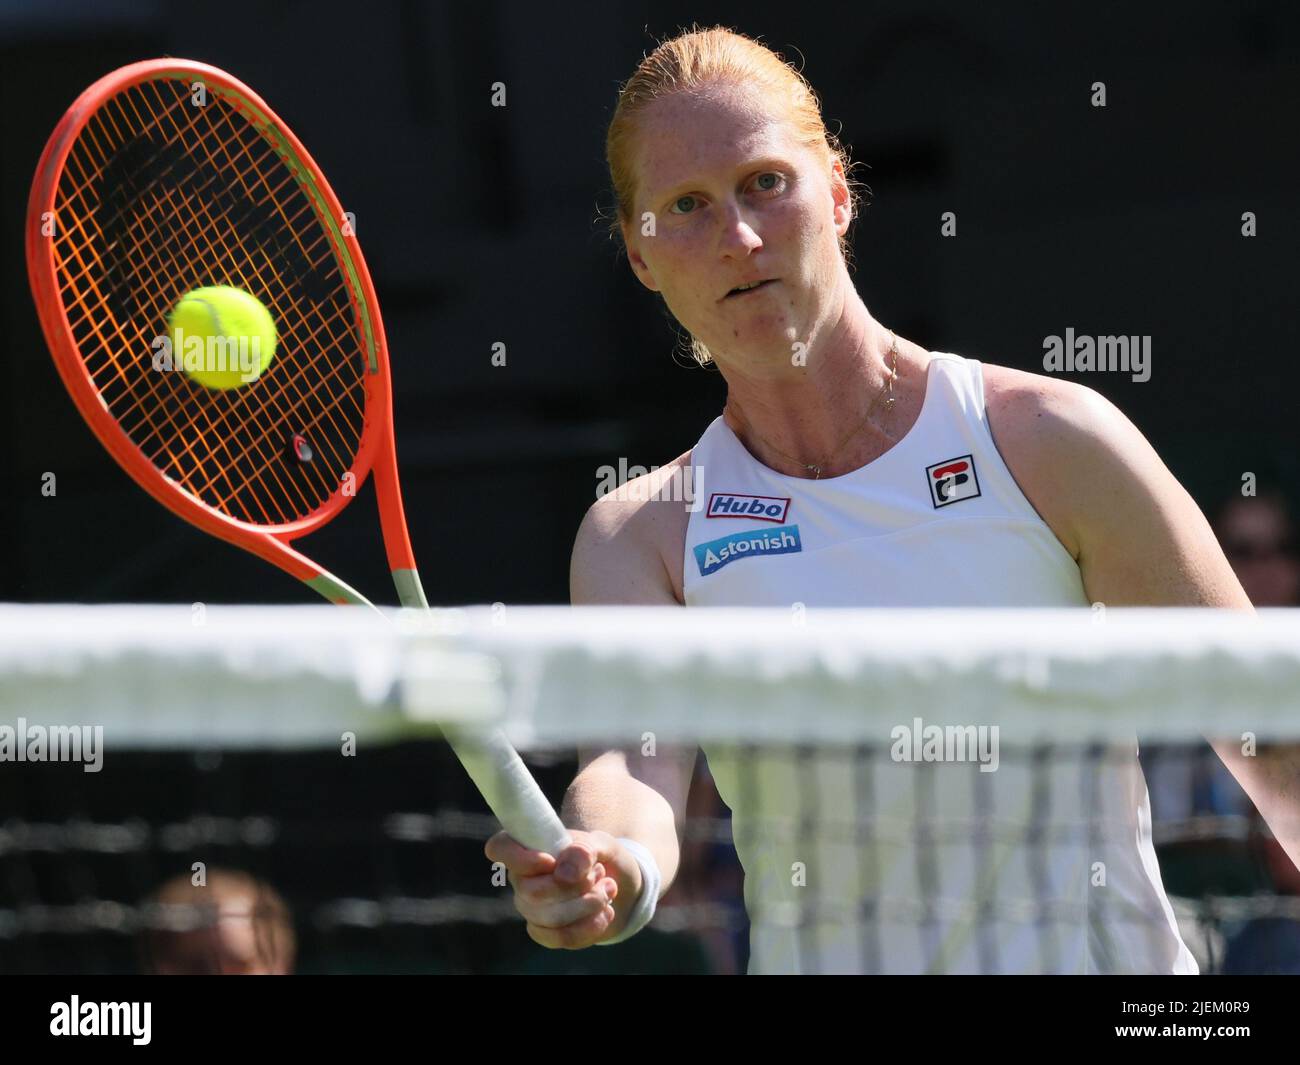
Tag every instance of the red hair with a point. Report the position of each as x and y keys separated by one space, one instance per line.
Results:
x=691 y=61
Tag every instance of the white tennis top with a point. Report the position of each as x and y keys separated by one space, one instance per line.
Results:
x=1041 y=865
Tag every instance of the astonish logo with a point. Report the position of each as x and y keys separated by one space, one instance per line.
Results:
x=759 y=508
x=715 y=554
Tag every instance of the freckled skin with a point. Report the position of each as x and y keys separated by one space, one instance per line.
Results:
x=700 y=161
x=736 y=198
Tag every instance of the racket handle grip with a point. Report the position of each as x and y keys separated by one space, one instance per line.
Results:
x=509 y=788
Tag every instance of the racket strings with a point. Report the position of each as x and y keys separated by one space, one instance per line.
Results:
x=162 y=196
x=245 y=255
x=241 y=254
x=120 y=386
x=168 y=431
x=243 y=250
x=155 y=426
x=224 y=225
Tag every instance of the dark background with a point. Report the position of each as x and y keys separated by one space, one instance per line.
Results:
x=483 y=224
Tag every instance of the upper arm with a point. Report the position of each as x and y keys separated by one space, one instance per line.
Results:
x=1138 y=536
x=1140 y=540
x=618 y=554
x=618 y=559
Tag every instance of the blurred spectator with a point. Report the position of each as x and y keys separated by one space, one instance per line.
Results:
x=233 y=925
x=1269 y=945
x=1258 y=534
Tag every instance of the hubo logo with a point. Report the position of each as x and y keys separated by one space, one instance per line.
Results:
x=196 y=353
x=920 y=742
x=102 y=1018
x=752 y=508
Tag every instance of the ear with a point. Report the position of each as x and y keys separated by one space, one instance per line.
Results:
x=639 y=266
x=841 y=198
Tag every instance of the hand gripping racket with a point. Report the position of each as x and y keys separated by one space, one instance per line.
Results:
x=167 y=176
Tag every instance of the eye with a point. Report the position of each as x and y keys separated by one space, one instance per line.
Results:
x=689 y=200
x=770 y=181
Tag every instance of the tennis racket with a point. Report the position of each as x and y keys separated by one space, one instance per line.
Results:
x=170 y=175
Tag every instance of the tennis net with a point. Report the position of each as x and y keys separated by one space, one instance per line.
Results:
x=879 y=791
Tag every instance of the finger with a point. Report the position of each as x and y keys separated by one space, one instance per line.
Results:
x=544 y=890
x=547 y=887
x=518 y=859
x=574 y=862
x=563 y=912
x=574 y=936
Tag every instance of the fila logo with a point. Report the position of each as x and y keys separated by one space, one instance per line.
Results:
x=759 y=508
x=951 y=480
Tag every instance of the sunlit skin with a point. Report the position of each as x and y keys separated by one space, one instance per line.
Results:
x=701 y=169
x=737 y=198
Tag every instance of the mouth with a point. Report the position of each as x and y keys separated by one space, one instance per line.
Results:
x=745 y=290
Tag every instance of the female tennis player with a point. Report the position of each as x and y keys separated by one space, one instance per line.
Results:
x=852 y=467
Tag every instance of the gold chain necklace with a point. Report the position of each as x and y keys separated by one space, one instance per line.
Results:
x=816 y=467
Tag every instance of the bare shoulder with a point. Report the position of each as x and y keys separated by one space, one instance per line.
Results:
x=1137 y=534
x=1056 y=438
x=630 y=545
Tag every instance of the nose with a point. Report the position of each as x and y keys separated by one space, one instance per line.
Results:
x=738 y=238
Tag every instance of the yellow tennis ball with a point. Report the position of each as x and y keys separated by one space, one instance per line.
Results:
x=221 y=336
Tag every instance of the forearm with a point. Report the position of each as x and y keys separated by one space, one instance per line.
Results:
x=606 y=797
x=1271 y=777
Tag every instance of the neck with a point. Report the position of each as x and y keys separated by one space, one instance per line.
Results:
x=801 y=416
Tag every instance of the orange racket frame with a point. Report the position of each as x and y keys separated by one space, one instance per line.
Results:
x=377 y=450
x=180 y=476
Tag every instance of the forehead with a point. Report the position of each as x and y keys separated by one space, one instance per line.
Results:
x=693 y=135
